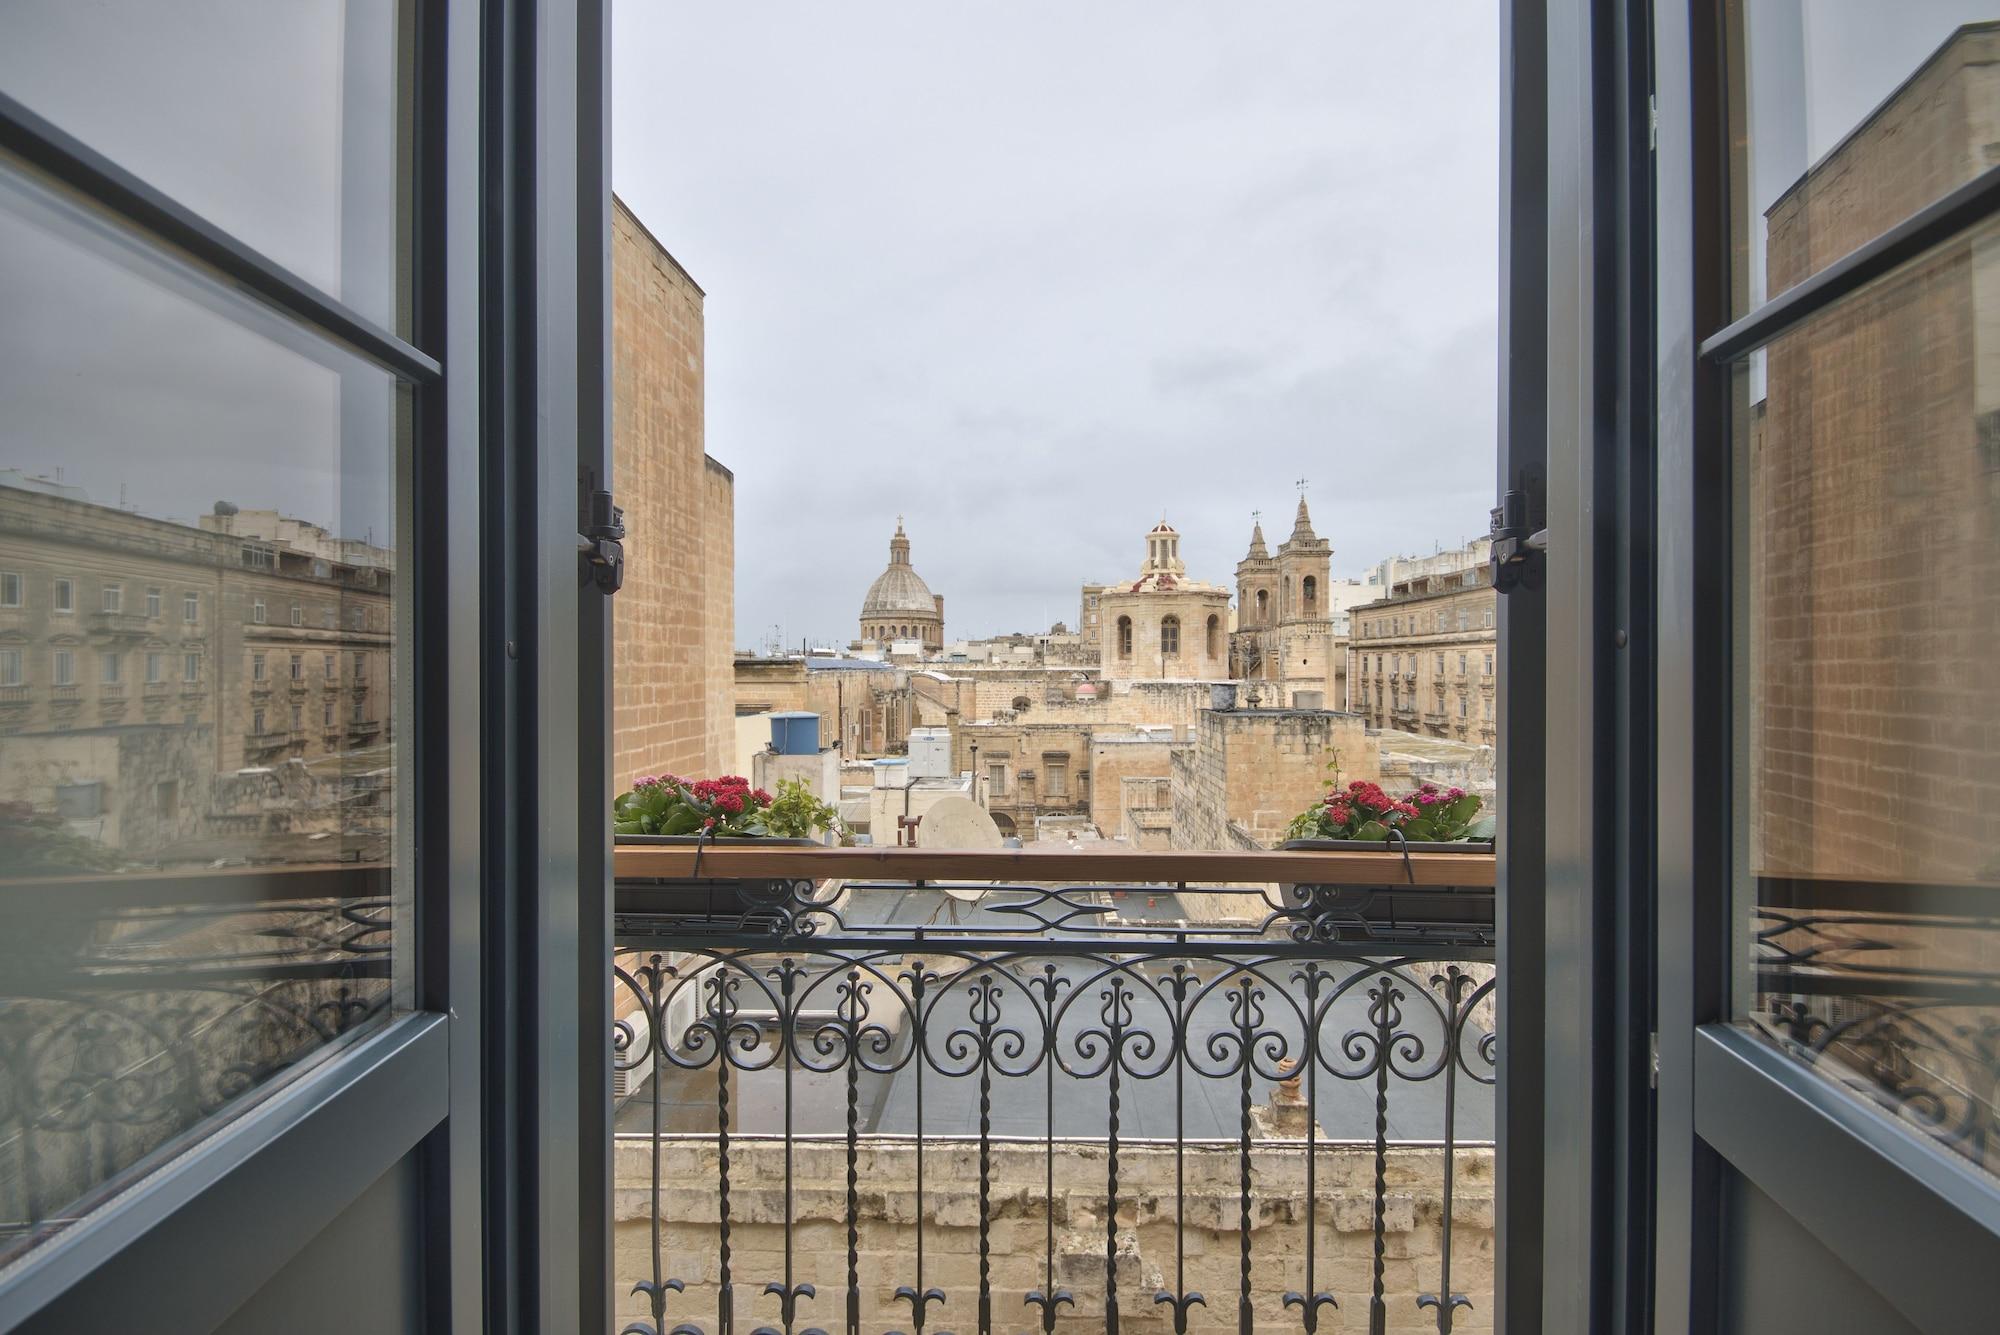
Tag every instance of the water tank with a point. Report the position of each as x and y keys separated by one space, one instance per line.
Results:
x=795 y=733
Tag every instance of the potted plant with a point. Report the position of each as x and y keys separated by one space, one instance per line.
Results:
x=1361 y=815
x=665 y=808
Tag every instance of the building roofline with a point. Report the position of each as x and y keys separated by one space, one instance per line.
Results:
x=622 y=206
x=719 y=466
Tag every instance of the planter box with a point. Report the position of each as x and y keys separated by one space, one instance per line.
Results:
x=702 y=906
x=1394 y=913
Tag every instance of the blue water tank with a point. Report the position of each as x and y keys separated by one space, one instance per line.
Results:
x=795 y=733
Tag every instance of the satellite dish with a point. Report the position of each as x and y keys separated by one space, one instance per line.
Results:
x=960 y=822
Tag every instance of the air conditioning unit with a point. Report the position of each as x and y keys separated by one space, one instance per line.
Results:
x=625 y=1081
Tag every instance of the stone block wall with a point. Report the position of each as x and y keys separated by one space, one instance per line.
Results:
x=1143 y=1236
x=673 y=622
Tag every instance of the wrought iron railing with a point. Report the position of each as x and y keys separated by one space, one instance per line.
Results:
x=1076 y=1101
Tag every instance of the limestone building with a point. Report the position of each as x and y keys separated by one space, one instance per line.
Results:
x=1164 y=626
x=674 y=621
x=1287 y=639
x=899 y=605
x=1423 y=657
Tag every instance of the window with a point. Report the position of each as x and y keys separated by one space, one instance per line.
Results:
x=996 y=780
x=1310 y=589
x=153 y=600
x=298 y=615
x=191 y=666
x=1214 y=645
x=1489 y=618
x=257 y=667
x=190 y=608
x=298 y=718
x=257 y=611
x=1396 y=626
x=1440 y=665
x=1489 y=665
x=1263 y=605
x=1464 y=707
x=298 y=672
x=65 y=667
x=1462 y=661
x=1124 y=637
x=326 y=618
x=10 y=667
x=107 y=669
x=1170 y=636
x=257 y=722
x=156 y=669
x=65 y=595
x=260 y=558
x=328 y=668
x=114 y=597
x=167 y=799
x=359 y=619
x=326 y=713
x=1056 y=770
x=1465 y=618
x=10 y=589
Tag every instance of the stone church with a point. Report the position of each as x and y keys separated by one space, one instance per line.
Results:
x=1285 y=646
x=899 y=605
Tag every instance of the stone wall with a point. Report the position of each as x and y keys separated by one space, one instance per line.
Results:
x=1143 y=1233
x=1257 y=768
x=671 y=702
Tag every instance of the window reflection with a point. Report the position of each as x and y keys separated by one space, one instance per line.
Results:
x=198 y=884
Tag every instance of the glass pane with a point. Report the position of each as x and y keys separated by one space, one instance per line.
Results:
x=1869 y=461
x=284 y=124
x=1855 y=115
x=201 y=866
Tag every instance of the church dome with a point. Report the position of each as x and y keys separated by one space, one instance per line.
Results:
x=897 y=590
x=899 y=603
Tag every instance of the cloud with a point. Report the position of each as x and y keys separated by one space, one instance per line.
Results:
x=1034 y=275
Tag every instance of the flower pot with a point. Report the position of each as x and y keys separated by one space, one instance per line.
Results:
x=706 y=905
x=1391 y=911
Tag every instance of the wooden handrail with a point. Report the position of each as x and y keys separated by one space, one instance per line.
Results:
x=752 y=861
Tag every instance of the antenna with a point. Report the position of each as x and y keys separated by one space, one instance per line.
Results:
x=1302 y=484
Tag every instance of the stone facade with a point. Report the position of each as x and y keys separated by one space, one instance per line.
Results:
x=1164 y=626
x=1342 y=1210
x=1423 y=659
x=1286 y=638
x=1249 y=771
x=899 y=606
x=1874 y=561
x=145 y=662
x=674 y=621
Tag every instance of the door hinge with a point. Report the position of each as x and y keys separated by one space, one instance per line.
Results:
x=602 y=547
x=1512 y=542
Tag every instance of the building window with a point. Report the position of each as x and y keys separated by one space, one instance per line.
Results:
x=1057 y=770
x=1464 y=707
x=298 y=718
x=326 y=619
x=1170 y=636
x=1215 y=637
x=996 y=780
x=153 y=598
x=190 y=667
x=1464 y=618
x=107 y=669
x=259 y=558
x=1488 y=708
x=1489 y=665
x=360 y=618
x=10 y=667
x=298 y=615
x=257 y=722
x=257 y=611
x=1461 y=665
x=298 y=667
x=1396 y=627
x=156 y=669
x=357 y=711
x=10 y=589
x=256 y=667
x=1489 y=618
x=329 y=668
x=1310 y=589
x=190 y=607
x=1124 y=637
x=65 y=666
x=65 y=596
x=114 y=597
x=326 y=714
x=167 y=798
x=1263 y=604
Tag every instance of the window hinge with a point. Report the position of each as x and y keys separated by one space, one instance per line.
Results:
x=1653 y=1045
x=602 y=546
x=1512 y=541
x=1653 y=121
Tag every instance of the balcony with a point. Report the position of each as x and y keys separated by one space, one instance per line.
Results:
x=119 y=625
x=268 y=740
x=359 y=728
x=869 y=1088
x=66 y=695
x=111 y=690
x=13 y=695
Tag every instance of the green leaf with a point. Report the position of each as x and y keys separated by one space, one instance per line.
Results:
x=1484 y=828
x=1462 y=810
x=681 y=820
x=628 y=827
x=1373 y=829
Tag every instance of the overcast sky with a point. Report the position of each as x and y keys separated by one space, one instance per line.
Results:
x=1036 y=274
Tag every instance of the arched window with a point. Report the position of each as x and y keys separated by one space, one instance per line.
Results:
x=1215 y=637
x=1124 y=637
x=1285 y=603
x=1021 y=704
x=1310 y=589
x=1170 y=635
x=1263 y=604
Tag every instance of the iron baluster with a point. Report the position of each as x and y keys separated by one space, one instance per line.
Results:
x=1313 y=1298
x=1179 y=1299
x=1455 y=983
x=919 y=1297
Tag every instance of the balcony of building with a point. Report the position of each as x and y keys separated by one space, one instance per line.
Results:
x=868 y=1089
x=118 y=625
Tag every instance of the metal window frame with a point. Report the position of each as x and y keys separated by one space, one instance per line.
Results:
x=1728 y=1103
x=510 y=171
